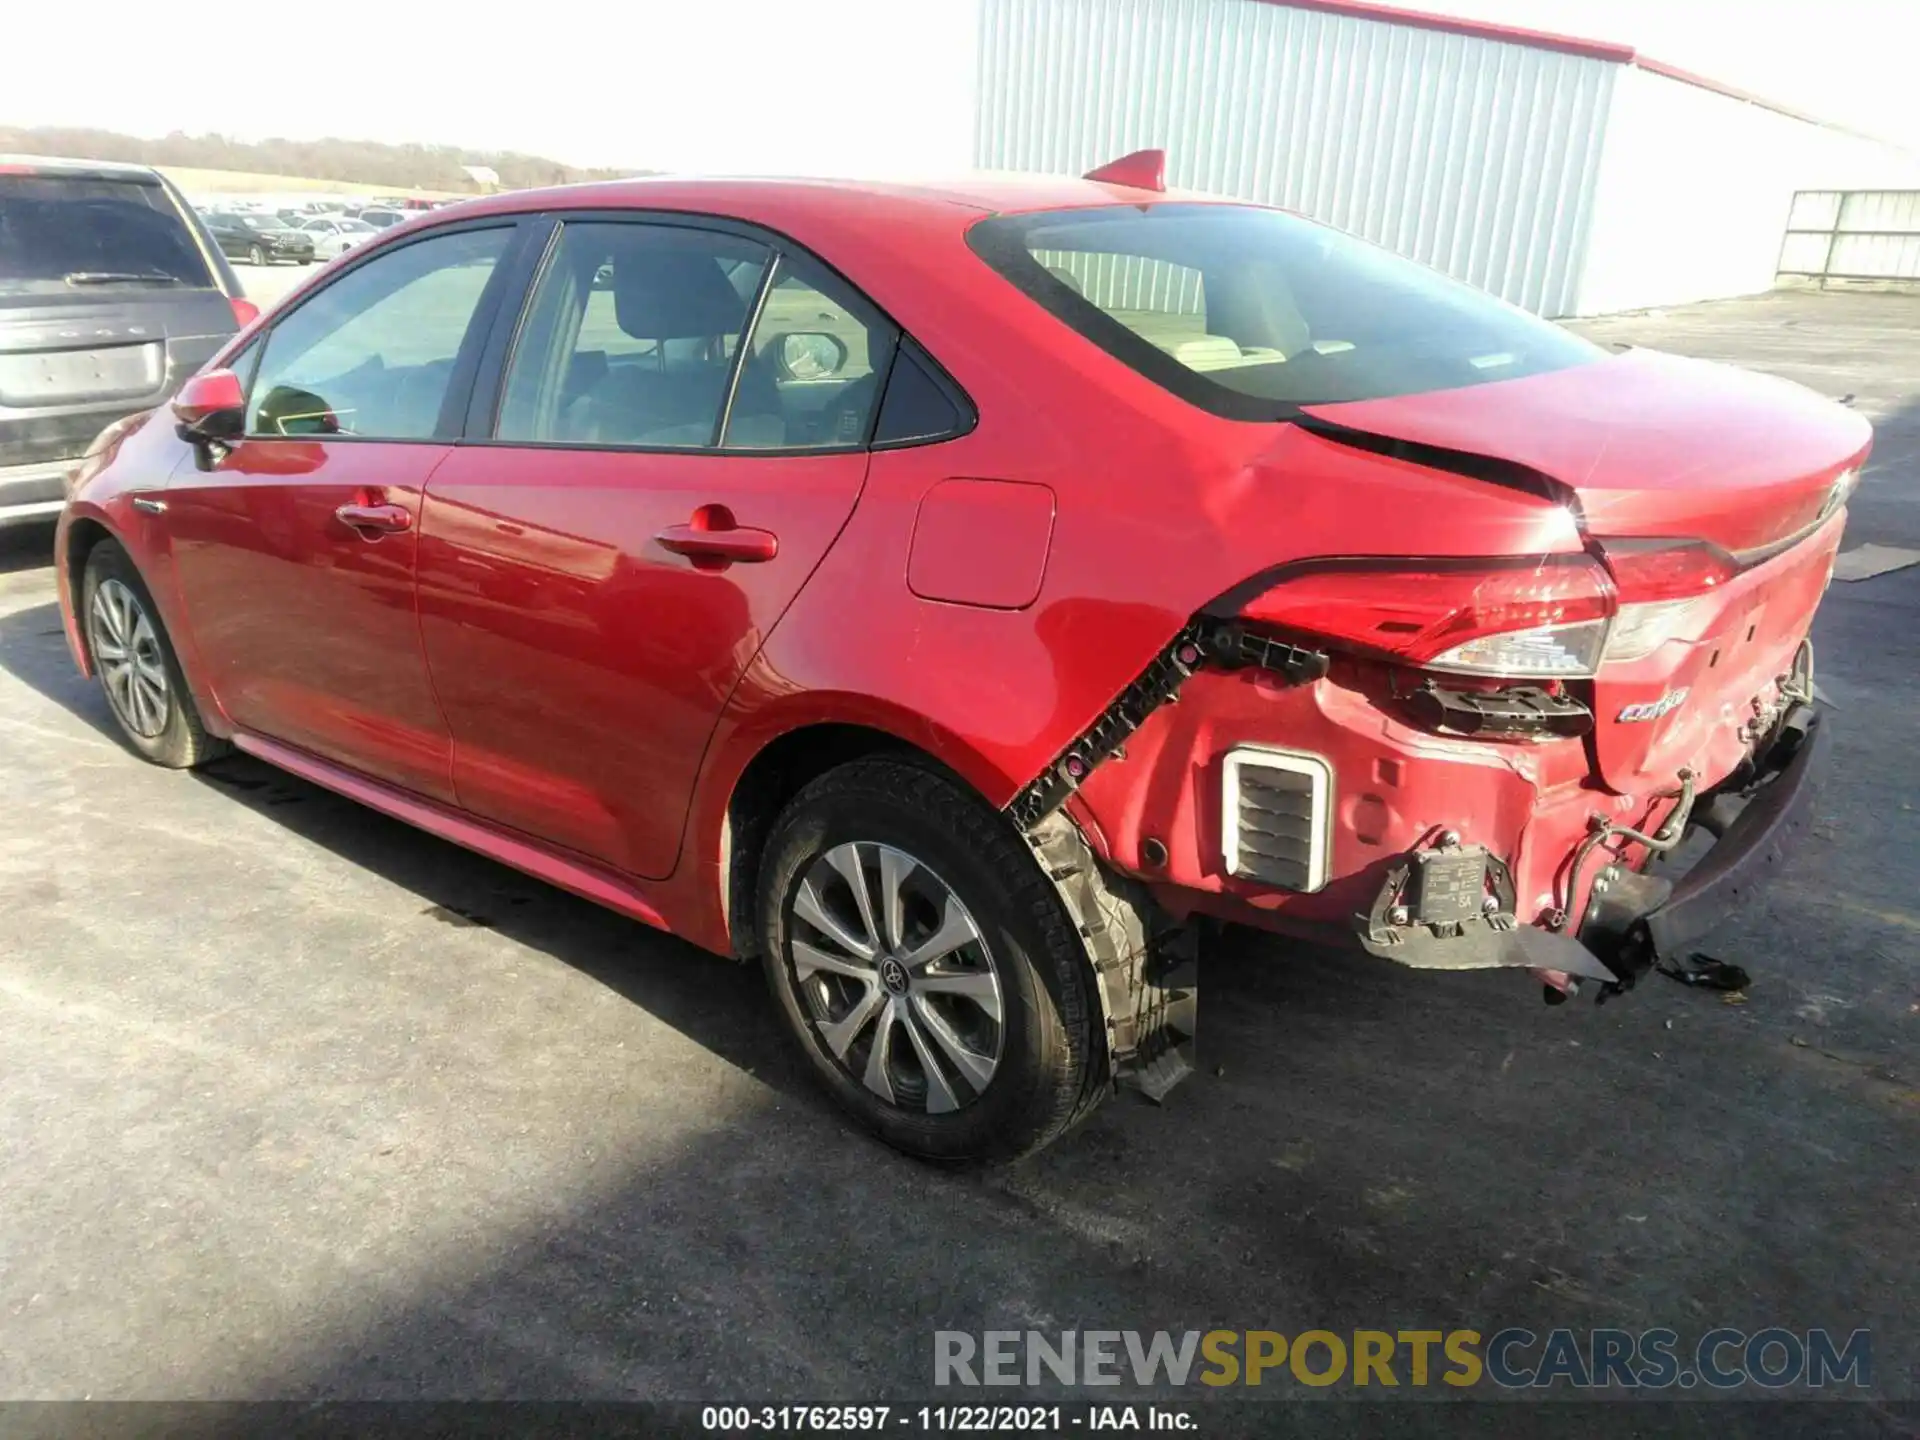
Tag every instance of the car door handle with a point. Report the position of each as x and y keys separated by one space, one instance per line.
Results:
x=737 y=542
x=378 y=519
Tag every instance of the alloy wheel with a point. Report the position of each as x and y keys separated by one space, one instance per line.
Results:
x=126 y=647
x=896 y=977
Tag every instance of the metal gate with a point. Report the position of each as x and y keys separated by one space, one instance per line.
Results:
x=1852 y=236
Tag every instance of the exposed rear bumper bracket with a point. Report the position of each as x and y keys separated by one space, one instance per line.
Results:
x=1201 y=642
x=1463 y=924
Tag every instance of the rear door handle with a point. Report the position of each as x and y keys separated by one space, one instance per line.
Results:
x=739 y=543
x=375 y=519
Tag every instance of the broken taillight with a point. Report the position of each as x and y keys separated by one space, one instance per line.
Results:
x=1664 y=585
x=1535 y=618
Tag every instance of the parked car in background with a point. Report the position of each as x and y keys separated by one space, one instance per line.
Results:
x=335 y=235
x=382 y=218
x=810 y=570
x=260 y=239
x=111 y=292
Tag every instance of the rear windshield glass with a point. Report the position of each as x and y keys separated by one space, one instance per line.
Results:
x=1252 y=313
x=59 y=235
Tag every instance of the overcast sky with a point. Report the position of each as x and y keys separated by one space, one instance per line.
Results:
x=819 y=86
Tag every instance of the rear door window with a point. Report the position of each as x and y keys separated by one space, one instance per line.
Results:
x=814 y=368
x=1252 y=313
x=61 y=234
x=632 y=337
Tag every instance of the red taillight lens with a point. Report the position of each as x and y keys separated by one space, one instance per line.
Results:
x=1667 y=569
x=1664 y=587
x=244 y=310
x=1544 y=617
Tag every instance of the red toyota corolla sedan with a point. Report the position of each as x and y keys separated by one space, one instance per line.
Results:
x=951 y=595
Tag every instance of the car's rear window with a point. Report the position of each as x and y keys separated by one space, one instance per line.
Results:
x=60 y=233
x=1252 y=313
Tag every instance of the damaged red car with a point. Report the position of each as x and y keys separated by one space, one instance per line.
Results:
x=949 y=597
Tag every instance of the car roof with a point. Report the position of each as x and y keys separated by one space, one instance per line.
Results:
x=975 y=195
x=77 y=169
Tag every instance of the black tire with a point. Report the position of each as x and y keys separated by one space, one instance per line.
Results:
x=256 y=256
x=178 y=741
x=1049 y=1074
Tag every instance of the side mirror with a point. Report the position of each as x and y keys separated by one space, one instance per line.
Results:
x=810 y=355
x=211 y=406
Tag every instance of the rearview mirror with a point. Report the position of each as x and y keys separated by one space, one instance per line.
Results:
x=211 y=406
x=811 y=355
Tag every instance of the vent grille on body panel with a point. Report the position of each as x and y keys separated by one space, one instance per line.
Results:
x=1275 y=818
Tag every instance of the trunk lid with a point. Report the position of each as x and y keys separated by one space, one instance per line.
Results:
x=1649 y=444
x=1656 y=446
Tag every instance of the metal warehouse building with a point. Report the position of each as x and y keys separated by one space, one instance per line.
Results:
x=1570 y=176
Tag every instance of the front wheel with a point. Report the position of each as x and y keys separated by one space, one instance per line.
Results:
x=136 y=664
x=256 y=256
x=926 y=967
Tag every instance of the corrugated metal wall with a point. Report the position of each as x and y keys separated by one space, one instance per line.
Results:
x=1853 y=235
x=1475 y=156
x=1696 y=188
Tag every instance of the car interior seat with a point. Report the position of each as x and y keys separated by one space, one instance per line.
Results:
x=667 y=295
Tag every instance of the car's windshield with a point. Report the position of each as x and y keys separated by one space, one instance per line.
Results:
x=1251 y=313
x=356 y=227
x=54 y=228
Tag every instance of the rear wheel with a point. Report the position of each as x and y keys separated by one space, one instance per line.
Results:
x=256 y=255
x=136 y=664
x=925 y=965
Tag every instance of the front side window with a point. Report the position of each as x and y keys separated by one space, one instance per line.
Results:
x=631 y=337
x=372 y=354
x=1252 y=313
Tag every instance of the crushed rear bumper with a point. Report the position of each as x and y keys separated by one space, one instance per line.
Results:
x=1632 y=919
x=1760 y=822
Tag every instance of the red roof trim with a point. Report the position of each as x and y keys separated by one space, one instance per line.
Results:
x=1547 y=40
x=1454 y=25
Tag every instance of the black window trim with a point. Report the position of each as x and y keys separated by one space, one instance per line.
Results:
x=968 y=415
x=480 y=325
x=483 y=411
x=769 y=277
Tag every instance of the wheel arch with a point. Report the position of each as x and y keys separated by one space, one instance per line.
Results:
x=83 y=534
x=769 y=772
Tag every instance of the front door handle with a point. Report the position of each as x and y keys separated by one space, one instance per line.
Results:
x=375 y=520
x=720 y=545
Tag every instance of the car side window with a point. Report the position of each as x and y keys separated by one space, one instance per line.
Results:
x=631 y=337
x=372 y=354
x=815 y=366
